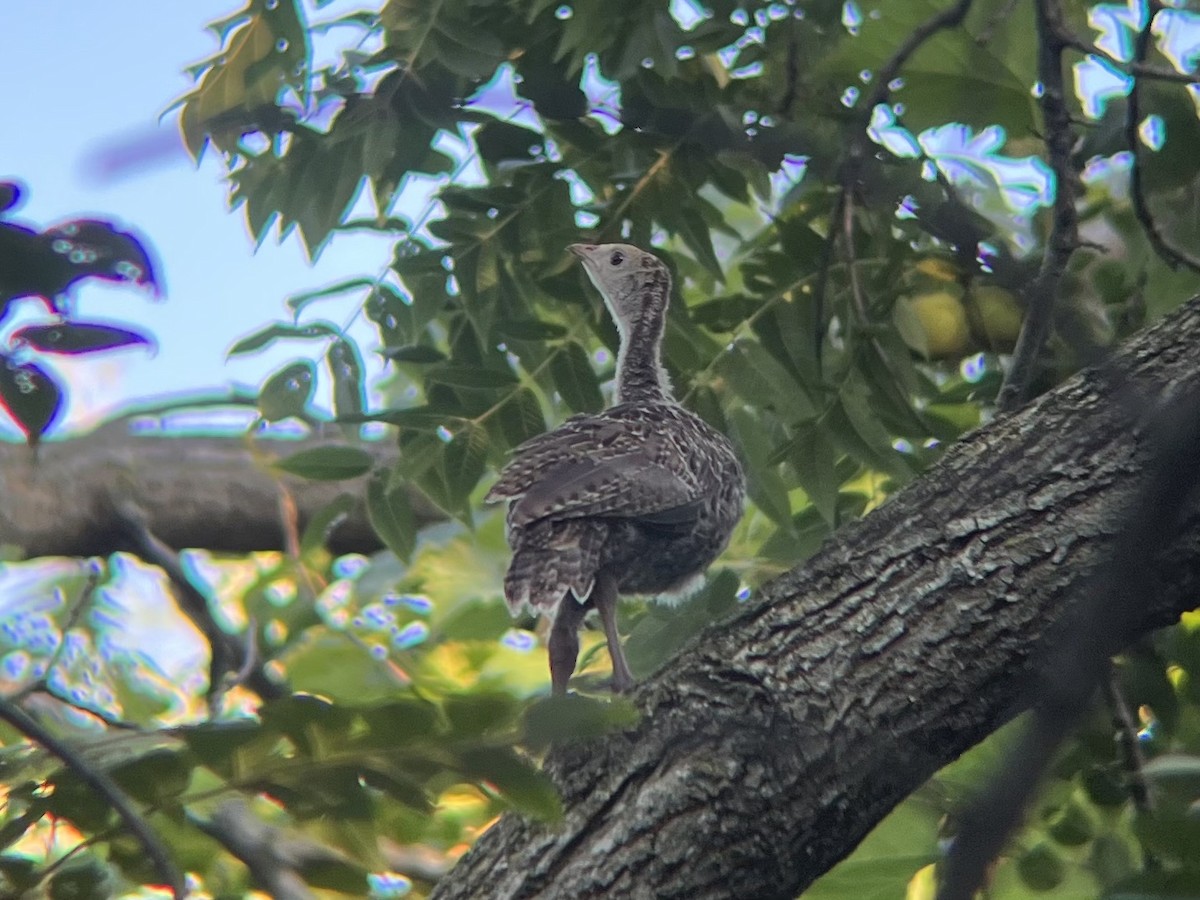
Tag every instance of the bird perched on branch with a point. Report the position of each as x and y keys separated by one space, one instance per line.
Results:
x=639 y=498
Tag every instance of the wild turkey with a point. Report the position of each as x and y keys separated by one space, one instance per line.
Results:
x=639 y=498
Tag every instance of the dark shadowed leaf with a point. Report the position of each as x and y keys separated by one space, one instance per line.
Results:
x=528 y=789
x=324 y=521
x=575 y=378
x=96 y=248
x=31 y=395
x=10 y=195
x=391 y=515
x=77 y=337
x=529 y=329
x=476 y=714
x=521 y=417
x=413 y=353
x=472 y=377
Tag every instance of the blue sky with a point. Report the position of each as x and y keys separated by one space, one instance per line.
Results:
x=86 y=80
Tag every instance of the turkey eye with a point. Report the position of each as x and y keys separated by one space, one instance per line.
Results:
x=617 y=258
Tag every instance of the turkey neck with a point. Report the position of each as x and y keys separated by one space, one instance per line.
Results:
x=640 y=374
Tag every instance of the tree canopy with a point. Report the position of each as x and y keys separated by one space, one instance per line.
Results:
x=890 y=223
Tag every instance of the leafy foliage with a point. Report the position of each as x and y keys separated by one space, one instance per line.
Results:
x=851 y=255
x=46 y=265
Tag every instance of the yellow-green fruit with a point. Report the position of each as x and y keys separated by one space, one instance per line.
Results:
x=941 y=321
x=997 y=321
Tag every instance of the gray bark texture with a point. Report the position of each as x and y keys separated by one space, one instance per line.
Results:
x=211 y=492
x=771 y=745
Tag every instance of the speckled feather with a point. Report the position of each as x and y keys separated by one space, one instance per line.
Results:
x=645 y=490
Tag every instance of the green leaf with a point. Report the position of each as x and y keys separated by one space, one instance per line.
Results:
x=882 y=865
x=332 y=463
x=475 y=377
x=338 y=666
x=156 y=777
x=81 y=878
x=521 y=417
x=461 y=465
x=813 y=460
x=761 y=380
x=1041 y=867
x=528 y=329
x=413 y=353
x=279 y=331
x=326 y=519
x=288 y=391
x=477 y=714
x=481 y=620
x=943 y=81
x=265 y=48
x=575 y=379
x=399 y=721
x=573 y=717
x=391 y=515
x=1175 y=772
x=518 y=781
x=298 y=302
x=346 y=369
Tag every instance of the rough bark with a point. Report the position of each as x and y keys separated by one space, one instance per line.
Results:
x=774 y=743
x=211 y=492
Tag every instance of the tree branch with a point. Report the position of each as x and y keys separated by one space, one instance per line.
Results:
x=98 y=781
x=1170 y=254
x=195 y=491
x=773 y=743
x=1105 y=620
x=227 y=653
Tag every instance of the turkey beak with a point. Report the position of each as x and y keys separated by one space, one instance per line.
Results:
x=582 y=250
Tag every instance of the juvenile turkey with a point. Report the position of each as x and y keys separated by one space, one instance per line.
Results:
x=637 y=499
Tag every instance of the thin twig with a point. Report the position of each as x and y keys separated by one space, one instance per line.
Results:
x=1064 y=229
x=1131 y=749
x=227 y=653
x=848 y=176
x=1170 y=254
x=1137 y=66
x=273 y=857
x=951 y=17
x=73 y=617
x=823 y=278
x=111 y=721
x=99 y=782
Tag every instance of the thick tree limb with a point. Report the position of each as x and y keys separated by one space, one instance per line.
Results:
x=1105 y=619
x=194 y=492
x=773 y=744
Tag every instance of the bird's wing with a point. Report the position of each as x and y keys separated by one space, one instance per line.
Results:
x=630 y=485
x=578 y=436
